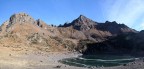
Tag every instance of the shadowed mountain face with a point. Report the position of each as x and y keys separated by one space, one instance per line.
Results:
x=107 y=38
x=98 y=31
x=23 y=30
x=131 y=43
x=114 y=28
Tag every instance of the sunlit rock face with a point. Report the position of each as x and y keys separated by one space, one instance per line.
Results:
x=21 y=18
x=24 y=30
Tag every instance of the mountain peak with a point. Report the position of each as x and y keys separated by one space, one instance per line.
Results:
x=21 y=18
x=81 y=15
x=83 y=23
x=21 y=13
x=82 y=18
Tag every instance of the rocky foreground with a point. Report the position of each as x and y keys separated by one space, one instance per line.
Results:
x=31 y=58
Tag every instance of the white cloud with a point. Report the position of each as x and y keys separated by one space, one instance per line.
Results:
x=126 y=11
x=142 y=25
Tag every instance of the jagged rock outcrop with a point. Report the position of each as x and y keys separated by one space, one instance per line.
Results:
x=20 y=18
x=41 y=24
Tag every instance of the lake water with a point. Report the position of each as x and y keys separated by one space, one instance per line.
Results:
x=98 y=61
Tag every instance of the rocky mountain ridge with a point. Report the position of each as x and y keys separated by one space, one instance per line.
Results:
x=98 y=31
x=21 y=29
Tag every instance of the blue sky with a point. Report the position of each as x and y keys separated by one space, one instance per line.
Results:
x=129 y=12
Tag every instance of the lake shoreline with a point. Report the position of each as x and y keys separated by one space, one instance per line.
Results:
x=10 y=59
x=137 y=64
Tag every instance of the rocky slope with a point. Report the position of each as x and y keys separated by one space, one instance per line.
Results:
x=22 y=30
